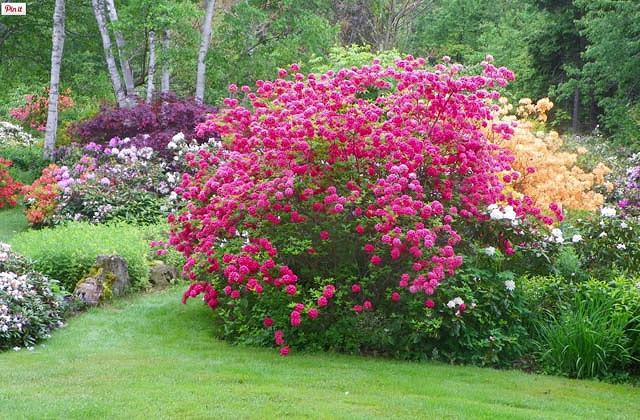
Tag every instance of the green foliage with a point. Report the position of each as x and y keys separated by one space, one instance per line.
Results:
x=585 y=328
x=588 y=341
x=159 y=232
x=68 y=252
x=567 y=264
x=128 y=205
x=27 y=162
x=493 y=329
x=610 y=244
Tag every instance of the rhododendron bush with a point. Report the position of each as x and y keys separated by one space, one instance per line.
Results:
x=336 y=203
x=31 y=305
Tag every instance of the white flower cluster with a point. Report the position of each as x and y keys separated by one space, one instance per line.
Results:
x=500 y=214
x=178 y=138
x=183 y=146
x=132 y=153
x=14 y=135
x=490 y=251
x=455 y=302
x=458 y=303
x=608 y=212
x=4 y=251
x=16 y=287
x=576 y=238
x=510 y=285
x=556 y=236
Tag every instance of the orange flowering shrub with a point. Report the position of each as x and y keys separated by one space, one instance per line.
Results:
x=41 y=197
x=34 y=113
x=548 y=174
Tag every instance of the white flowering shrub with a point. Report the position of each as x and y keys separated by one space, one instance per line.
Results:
x=31 y=305
x=14 y=135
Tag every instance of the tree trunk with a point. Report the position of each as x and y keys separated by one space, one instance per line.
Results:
x=204 y=47
x=575 y=120
x=152 y=66
x=98 y=10
x=56 y=61
x=166 y=77
x=124 y=62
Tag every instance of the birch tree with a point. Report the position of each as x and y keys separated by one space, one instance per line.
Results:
x=204 y=47
x=165 y=78
x=120 y=44
x=98 y=10
x=152 y=67
x=56 y=60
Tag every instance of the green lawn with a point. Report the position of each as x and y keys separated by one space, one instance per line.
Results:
x=12 y=221
x=149 y=356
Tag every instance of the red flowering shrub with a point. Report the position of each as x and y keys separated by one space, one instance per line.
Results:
x=331 y=209
x=41 y=197
x=9 y=188
x=34 y=112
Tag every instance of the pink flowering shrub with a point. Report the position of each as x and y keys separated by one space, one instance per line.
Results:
x=333 y=210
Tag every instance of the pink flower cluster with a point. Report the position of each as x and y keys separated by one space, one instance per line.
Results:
x=397 y=155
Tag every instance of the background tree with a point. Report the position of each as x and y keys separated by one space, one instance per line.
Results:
x=556 y=47
x=152 y=67
x=99 y=10
x=56 y=60
x=254 y=38
x=610 y=73
x=204 y=48
x=384 y=24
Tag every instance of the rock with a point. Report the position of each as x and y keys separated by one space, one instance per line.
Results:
x=118 y=267
x=109 y=277
x=162 y=275
x=89 y=290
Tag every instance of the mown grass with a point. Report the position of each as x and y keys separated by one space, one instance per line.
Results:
x=150 y=357
x=12 y=221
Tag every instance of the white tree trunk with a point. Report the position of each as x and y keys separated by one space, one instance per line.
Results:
x=152 y=66
x=98 y=11
x=204 y=47
x=56 y=60
x=124 y=62
x=166 y=76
